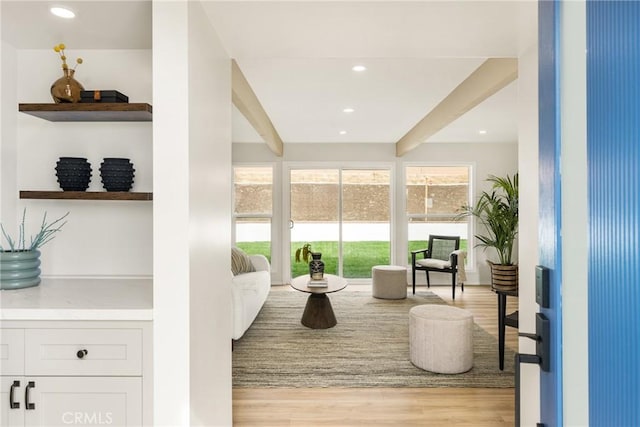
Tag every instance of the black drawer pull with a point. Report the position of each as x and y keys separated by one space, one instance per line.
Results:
x=81 y=353
x=12 y=403
x=27 y=404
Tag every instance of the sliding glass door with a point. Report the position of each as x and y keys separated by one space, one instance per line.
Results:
x=315 y=216
x=343 y=213
x=366 y=221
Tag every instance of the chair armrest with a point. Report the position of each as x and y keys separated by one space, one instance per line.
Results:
x=453 y=259
x=416 y=252
x=458 y=253
x=260 y=262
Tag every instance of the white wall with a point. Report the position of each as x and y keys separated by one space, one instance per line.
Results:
x=210 y=223
x=171 y=215
x=528 y=234
x=575 y=225
x=101 y=238
x=192 y=208
x=8 y=143
x=489 y=158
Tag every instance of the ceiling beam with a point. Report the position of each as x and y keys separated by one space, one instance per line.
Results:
x=247 y=103
x=487 y=79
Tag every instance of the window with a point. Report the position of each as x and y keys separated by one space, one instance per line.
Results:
x=253 y=208
x=434 y=195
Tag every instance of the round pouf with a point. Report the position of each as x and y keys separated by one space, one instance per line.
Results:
x=441 y=338
x=389 y=281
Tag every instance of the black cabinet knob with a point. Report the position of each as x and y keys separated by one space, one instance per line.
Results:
x=81 y=353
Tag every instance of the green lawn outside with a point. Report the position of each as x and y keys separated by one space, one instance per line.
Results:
x=262 y=248
x=358 y=257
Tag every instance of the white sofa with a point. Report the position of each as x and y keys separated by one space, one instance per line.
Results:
x=249 y=292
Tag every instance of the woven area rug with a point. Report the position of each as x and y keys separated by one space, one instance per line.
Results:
x=369 y=347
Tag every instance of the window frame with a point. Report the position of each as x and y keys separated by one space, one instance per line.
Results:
x=235 y=216
x=471 y=166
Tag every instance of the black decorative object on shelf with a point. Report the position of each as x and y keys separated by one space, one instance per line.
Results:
x=117 y=174
x=102 y=96
x=316 y=266
x=74 y=173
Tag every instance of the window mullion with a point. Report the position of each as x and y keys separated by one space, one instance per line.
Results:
x=340 y=241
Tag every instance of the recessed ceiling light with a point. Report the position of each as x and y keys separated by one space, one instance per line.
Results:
x=482 y=132
x=348 y=110
x=343 y=132
x=62 y=12
x=359 y=68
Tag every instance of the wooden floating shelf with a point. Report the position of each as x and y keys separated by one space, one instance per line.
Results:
x=86 y=195
x=90 y=112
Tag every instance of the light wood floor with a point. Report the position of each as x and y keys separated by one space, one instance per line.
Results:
x=476 y=407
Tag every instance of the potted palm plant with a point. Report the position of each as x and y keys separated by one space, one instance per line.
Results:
x=19 y=260
x=497 y=212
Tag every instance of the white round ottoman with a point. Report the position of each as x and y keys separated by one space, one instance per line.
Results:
x=441 y=338
x=389 y=281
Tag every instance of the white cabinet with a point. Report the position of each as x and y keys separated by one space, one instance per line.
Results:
x=11 y=407
x=75 y=373
x=11 y=352
x=83 y=351
x=77 y=401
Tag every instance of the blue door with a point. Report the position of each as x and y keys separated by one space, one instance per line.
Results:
x=613 y=188
x=613 y=153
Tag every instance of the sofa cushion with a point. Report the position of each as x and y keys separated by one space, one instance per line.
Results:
x=240 y=262
x=252 y=281
x=249 y=292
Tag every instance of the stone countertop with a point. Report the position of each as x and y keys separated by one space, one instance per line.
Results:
x=80 y=299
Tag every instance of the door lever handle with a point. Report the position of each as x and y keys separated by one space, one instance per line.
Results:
x=527 y=335
x=542 y=337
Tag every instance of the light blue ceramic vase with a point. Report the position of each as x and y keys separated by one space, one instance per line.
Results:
x=20 y=269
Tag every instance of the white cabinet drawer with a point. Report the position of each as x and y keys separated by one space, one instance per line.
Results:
x=83 y=352
x=11 y=351
x=84 y=401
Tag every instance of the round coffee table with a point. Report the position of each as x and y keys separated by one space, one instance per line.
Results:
x=318 y=313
